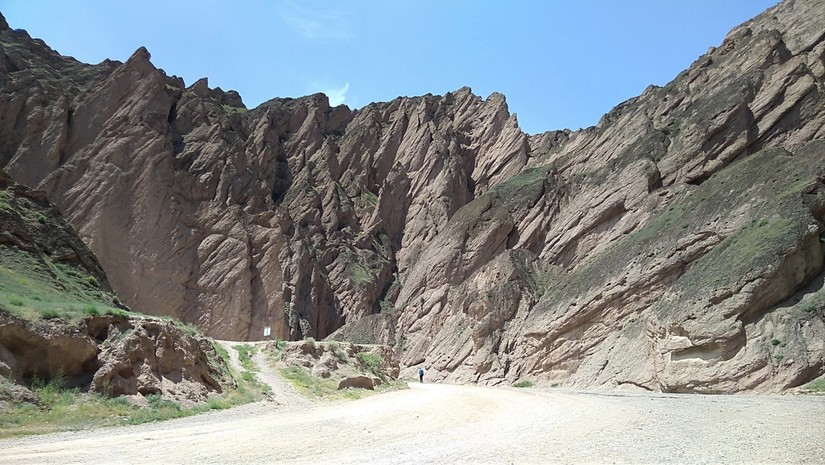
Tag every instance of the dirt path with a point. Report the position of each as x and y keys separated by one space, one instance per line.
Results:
x=234 y=358
x=434 y=423
x=282 y=392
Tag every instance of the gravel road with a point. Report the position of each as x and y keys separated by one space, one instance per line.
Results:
x=440 y=423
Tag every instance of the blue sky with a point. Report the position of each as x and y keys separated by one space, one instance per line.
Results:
x=561 y=64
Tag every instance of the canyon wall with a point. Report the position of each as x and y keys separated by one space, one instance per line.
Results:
x=676 y=245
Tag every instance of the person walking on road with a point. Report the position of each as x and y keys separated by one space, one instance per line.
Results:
x=420 y=375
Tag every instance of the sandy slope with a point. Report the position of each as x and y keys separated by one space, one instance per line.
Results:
x=435 y=423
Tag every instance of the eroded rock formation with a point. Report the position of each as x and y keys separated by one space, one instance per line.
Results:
x=113 y=355
x=53 y=296
x=346 y=364
x=674 y=246
x=294 y=215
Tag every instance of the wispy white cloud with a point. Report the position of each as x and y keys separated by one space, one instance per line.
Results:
x=314 y=24
x=337 y=96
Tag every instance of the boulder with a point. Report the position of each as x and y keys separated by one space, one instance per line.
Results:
x=156 y=357
x=361 y=382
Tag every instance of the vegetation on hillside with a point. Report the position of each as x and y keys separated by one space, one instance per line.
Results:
x=327 y=388
x=33 y=287
x=777 y=224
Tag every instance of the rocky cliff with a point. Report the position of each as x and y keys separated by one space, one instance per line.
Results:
x=674 y=246
x=59 y=317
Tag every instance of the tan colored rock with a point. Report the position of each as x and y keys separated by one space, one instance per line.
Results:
x=326 y=365
x=584 y=305
x=242 y=219
x=112 y=355
x=15 y=394
x=150 y=356
x=360 y=382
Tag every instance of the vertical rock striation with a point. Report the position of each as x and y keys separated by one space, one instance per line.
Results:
x=293 y=215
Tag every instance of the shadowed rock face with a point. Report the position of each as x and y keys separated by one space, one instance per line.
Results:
x=674 y=246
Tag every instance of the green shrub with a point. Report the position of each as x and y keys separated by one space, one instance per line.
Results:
x=403 y=342
x=816 y=386
x=158 y=402
x=55 y=383
x=808 y=307
x=367 y=200
x=307 y=384
x=187 y=328
x=245 y=353
x=52 y=393
x=159 y=409
x=230 y=110
x=775 y=342
x=49 y=314
x=371 y=362
x=91 y=281
x=91 y=310
x=4 y=201
x=217 y=403
x=116 y=312
x=17 y=302
x=524 y=384
x=222 y=352
x=339 y=353
x=387 y=307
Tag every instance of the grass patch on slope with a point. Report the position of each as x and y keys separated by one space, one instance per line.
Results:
x=526 y=182
x=769 y=183
x=816 y=386
x=33 y=289
x=319 y=388
x=62 y=409
x=73 y=410
x=371 y=362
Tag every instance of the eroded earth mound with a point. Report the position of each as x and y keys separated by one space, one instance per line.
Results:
x=112 y=355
